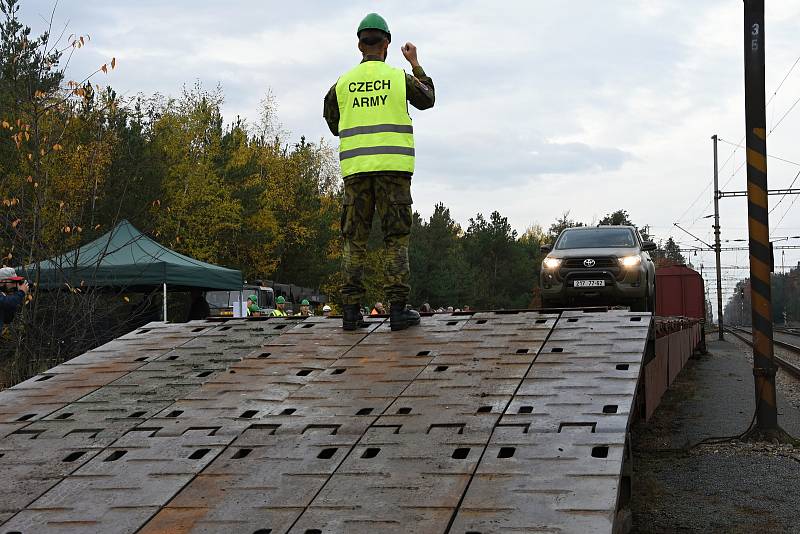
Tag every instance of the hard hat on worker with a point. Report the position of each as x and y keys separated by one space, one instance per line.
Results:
x=280 y=300
x=254 y=298
x=304 y=302
x=373 y=21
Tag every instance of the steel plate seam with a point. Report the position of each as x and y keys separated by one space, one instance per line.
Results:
x=358 y=441
x=496 y=424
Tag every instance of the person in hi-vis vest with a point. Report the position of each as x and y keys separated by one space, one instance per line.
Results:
x=367 y=108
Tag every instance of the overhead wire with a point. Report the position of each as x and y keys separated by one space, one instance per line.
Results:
x=738 y=145
x=741 y=165
x=699 y=196
x=775 y=93
x=787 y=211
x=789 y=72
x=730 y=157
x=768 y=155
x=710 y=183
x=784 y=115
x=733 y=174
x=796 y=176
x=772 y=130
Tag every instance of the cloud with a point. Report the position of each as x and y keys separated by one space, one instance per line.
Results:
x=491 y=160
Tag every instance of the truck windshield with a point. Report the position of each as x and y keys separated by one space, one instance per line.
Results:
x=596 y=238
x=219 y=299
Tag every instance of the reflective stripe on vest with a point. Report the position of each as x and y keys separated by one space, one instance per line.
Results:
x=375 y=130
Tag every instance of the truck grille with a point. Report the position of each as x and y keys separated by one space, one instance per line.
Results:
x=599 y=263
x=574 y=268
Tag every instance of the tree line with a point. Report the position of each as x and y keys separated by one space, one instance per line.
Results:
x=785 y=300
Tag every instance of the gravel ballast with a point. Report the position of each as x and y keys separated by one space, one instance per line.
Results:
x=727 y=486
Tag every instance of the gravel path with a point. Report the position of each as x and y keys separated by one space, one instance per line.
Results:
x=727 y=487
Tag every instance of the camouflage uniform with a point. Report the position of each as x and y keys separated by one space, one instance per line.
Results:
x=388 y=193
x=390 y=196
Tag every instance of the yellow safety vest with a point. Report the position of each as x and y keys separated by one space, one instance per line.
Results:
x=279 y=313
x=375 y=130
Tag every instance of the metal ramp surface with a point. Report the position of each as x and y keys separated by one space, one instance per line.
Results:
x=490 y=422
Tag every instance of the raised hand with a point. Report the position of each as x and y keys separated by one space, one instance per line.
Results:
x=410 y=53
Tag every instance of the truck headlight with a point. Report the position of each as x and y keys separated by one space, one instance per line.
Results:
x=630 y=261
x=551 y=263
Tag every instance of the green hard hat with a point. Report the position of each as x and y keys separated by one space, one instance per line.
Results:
x=304 y=302
x=373 y=21
x=254 y=298
x=280 y=300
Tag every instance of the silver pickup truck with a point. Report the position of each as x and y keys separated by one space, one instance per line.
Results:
x=603 y=265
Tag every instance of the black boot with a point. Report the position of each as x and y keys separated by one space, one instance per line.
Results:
x=400 y=318
x=352 y=318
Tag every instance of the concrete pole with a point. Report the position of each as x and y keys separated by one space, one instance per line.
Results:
x=165 y=302
x=758 y=217
x=717 y=244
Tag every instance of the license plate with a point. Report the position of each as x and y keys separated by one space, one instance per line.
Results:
x=590 y=283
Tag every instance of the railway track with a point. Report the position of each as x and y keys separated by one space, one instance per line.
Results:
x=794 y=332
x=789 y=367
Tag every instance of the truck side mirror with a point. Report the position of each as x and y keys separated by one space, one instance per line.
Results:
x=545 y=248
x=649 y=246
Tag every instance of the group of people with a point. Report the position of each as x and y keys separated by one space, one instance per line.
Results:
x=380 y=309
x=427 y=308
x=253 y=309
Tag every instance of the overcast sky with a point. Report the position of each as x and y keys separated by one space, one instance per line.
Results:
x=542 y=107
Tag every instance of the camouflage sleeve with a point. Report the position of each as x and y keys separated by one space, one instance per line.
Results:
x=331 y=111
x=419 y=89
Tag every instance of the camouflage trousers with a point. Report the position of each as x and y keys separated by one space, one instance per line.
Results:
x=390 y=196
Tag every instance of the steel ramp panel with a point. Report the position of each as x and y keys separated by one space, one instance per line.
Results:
x=529 y=484
x=557 y=464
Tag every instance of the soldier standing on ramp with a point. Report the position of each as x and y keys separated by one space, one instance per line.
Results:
x=367 y=109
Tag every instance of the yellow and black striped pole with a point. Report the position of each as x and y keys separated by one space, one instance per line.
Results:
x=758 y=216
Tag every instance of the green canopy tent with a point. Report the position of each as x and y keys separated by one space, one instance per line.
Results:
x=125 y=257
